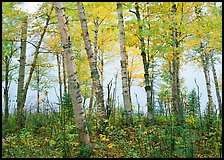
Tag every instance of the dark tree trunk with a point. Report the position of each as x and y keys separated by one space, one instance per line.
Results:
x=59 y=77
x=38 y=89
x=6 y=89
x=64 y=74
x=175 y=70
x=145 y=63
x=216 y=85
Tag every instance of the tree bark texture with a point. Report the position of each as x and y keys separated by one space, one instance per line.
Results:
x=20 y=89
x=205 y=59
x=98 y=88
x=124 y=62
x=175 y=67
x=74 y=87
x=216 y=85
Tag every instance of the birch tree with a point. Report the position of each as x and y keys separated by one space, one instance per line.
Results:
x=205 y=64
x=74 y=87
x=217 y=90
x=23 y=95
x=124 y=62
x=20 y=90
x=98 y=88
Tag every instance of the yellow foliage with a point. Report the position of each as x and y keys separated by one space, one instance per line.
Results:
x=138 y=76
x=190 y=120
x=103 y=137
x=110 y=145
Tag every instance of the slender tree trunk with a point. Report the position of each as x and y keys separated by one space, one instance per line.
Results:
x=124 y=62
x=91 y=101
x=145 y=63
x=59 y=77
x=96 y=38
x=152 y=90
x=64 y=74
x=60 y=85
x=204 y=59
x=216 y=85
x=138 y=109
x=20 y=91
x=99 y=55
x=98 y=88
x=38 y=89
x=175 y=70
x=74 y=87
x=96 y=49
x=198 y=100
x=101 y=61
x=6 y=89
x=21 y=103
x=165 y=107
x=130 y=75
x=7 y=60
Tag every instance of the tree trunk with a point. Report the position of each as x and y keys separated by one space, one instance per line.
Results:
x=38 y=89
x=74 y=87
x=124 y=63
x=7 y=60
x=6 y=89
x=145 y=63
x=91 y=101
x=21 y=104
x=64 y=74
x=98 y=88
x=101 y=62
x=152 y=91
x=175 y=70
x=20 y=91
x=216 y=85
x=204 y=59
x=138 y=109
x=96 y=49
x=59 y=77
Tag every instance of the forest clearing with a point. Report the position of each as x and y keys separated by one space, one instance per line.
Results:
x=108 y=80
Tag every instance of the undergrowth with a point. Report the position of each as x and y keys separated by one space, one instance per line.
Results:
x=48 y=137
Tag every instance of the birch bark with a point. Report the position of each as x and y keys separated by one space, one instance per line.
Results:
x=98 y=88
x=124 y=63
x=74 y=88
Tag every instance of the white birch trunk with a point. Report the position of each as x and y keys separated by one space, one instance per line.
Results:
x=74 y=88
x=124 y=63
x=98 y=88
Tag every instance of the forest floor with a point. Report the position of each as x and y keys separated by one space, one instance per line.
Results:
x=46 y=137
